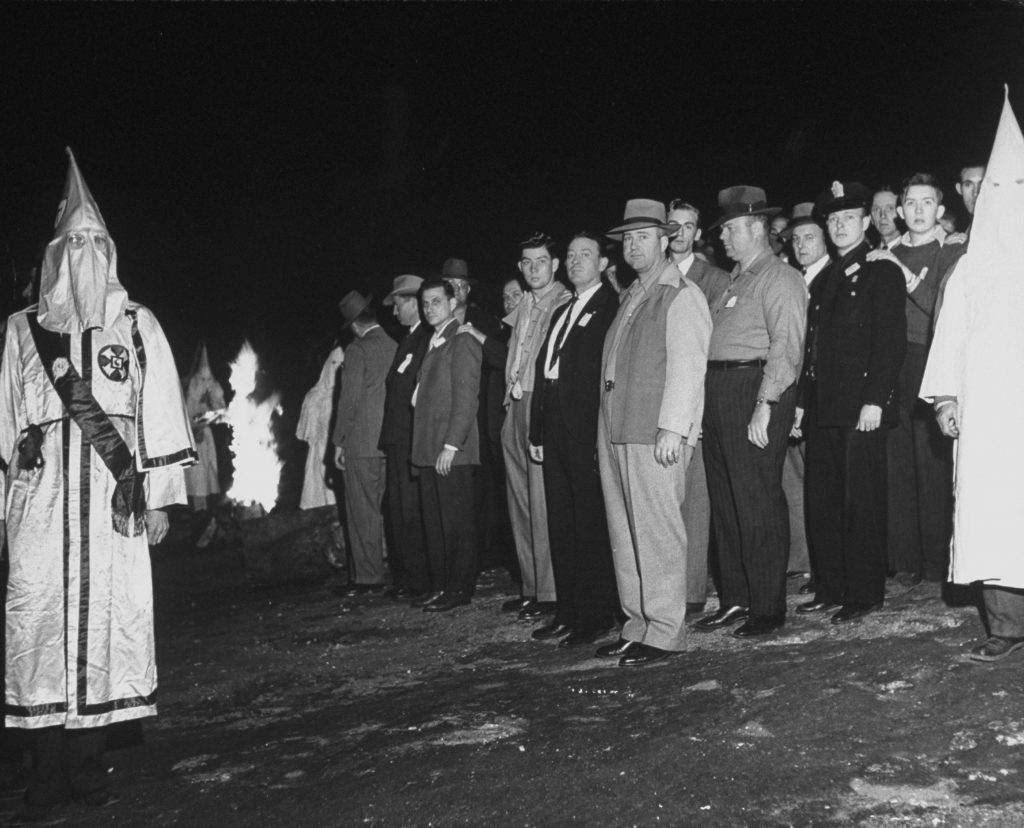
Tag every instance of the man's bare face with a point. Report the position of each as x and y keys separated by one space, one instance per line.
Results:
x=584 y=263
x=461 y=288
x=739 y=237
x=643 y=248
x=808 y=243
x=681 y=244
x=920 y=208
x=407 y=310
x=883 y=214
x=970 y=185
x=438 y=307
x=846 y=228
x=538 y=267
x=510 y=296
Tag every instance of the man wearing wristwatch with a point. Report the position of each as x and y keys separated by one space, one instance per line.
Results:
x=753 y=363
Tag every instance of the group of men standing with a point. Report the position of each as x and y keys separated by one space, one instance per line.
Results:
x=632 y=416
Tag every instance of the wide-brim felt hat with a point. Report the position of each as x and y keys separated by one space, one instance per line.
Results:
x=843 y=196
x=404 y=285
x=457 y=269
x=641 y=213
x=352 y=304
x=803 y=213
x=743 y=200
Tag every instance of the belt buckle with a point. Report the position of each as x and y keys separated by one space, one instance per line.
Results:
x=609 y=385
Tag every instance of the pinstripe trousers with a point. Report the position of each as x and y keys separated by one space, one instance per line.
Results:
x=749 y=515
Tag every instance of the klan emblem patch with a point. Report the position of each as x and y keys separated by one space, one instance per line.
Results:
x=113 y=361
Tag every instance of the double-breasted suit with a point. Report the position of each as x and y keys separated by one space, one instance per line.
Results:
x=407 y=555
x=446 y=400
x=853 y=356
x=564 y=422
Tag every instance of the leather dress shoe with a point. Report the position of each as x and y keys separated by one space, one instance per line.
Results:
x=616 y=650
x=447 y=601
x=643 y=654
x=807 y=587
x=759 y=625
x=536 y=609
x=517 y=604
x=427 y=598
x=577 y=638
x=355 y=590
x=851 y=612
x=815 y=606
x=723 y=618
x=556 y=629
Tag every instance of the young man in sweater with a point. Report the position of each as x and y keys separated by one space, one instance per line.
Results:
x=920 y=463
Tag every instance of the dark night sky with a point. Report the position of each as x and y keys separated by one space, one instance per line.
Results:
x=256 y=162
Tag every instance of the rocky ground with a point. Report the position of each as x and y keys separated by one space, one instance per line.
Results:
x=290 y=706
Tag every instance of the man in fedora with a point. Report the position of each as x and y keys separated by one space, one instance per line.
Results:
x=655 y=355
x=855 y=347
x=807 y=236
x=696 y=509
x=357 y=430
x=407 y=553
x=754 y=360
x=525 y=479
x=475 y=321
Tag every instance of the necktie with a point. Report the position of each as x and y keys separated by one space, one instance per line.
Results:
x=562 y=334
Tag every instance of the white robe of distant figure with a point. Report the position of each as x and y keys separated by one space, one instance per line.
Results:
x=314 y=428
x=203 y=394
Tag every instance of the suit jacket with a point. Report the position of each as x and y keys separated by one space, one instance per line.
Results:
x=712 y=281
x=492 y=374
x=399 y=385
x=804 y=385
x=446 y=403
x=861 y=338
x=579 y=368
x=361 y=402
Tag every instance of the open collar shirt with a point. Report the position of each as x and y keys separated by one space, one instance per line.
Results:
x=529 y=323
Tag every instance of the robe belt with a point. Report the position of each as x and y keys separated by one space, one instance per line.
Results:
x=128 y=502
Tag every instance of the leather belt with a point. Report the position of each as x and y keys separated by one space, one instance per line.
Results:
x=734 y=364
x=549 y=383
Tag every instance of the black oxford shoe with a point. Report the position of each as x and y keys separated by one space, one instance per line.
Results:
x=517 y=604
x=852 y=612
x=616 y=650
x=643 y=654
x=556 y=629
x=758 y=625
x=815 y=606
x=427 y=598
x=577 y=638
x=807 y=587
x=723 y=618
x=447 y=601
x=536 y=609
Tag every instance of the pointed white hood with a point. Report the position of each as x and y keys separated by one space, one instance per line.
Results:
x=79 y=288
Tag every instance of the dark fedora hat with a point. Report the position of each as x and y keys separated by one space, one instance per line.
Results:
x=352 y=304
x=743 y=200
x=803 y=213
x=843 y=196
x=640 y=213
x=457 y=269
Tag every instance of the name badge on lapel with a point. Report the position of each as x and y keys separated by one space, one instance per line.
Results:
x=583 y=320
x=405 y=363
x=852 y=269
x=732 y=302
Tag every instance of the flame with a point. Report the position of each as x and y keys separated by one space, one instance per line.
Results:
x=257 y=466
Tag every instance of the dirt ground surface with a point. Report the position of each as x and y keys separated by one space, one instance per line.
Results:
x=294 y=707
